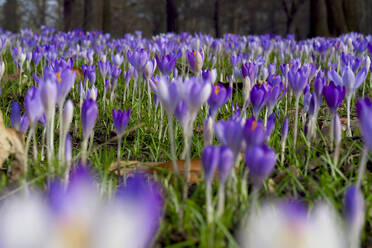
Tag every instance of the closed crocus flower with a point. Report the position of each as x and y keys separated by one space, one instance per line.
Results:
x=225 y=163
x=138 y=59
x=260 y=160
x=352 y=82
x=254 y=132
x=298 y=80
x=334 y=95
x=284 y=130
x=210 y=76
x=195 y=59
x=48 y=92
x=33 y=105
x=249 y=70
x=230 y=133
x=364 y=110
x=121 y=119
x=88 y=116
x=218 y=97
x=66 y=80
x=182 y=114
x=15 y=116
x=149 y=69
x=259 y=98
x=195 y=93
x=210 y=159
x=167 y=92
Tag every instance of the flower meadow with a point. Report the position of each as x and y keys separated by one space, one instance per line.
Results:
x=184 y=140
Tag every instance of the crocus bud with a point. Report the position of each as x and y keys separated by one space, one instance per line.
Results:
x=195 y=59
x=284 y=130
x=68 y=114
x=48 y=94
x=15 y=116
x=258 y=97
x=33 y=105
x=88 y=116
x=121 y=119
x=354 y=210
x=260 y=160
x=210 y=159
x=367 y=62
x=225 y=163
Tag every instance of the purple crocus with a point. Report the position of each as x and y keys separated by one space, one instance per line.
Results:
x=66 y=80
x=15 y=116
x=121 y=119
x=259 y=97
x=167 y=92
x=260 y=160
x=334 y=95
x=166 y=63
x=210 y=159
x=298 y=79
x=138 y=59
x=225 y=163
x=230 y=133
x=364 y=111
x=218 y=97
x=254 y=132
x=89 y=113
x=33 y=105
x=195 y=59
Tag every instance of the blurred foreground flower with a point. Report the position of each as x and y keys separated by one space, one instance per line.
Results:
x=289 y=225
x=78 y=216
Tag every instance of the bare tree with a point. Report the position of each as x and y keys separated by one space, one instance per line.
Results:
x=106 y=17
x=10 y=15
x=216 y=18
x=67 y=14
x=88 y=7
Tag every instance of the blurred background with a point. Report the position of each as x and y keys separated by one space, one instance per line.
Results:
x=304 y=18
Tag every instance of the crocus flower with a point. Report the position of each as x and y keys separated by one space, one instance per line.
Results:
x=195 y=59
x=210 y=159
x=66 y=80
x=225 y=163
x=23 y=124
x=121 y=119
x=149 y=69
x=210 y=76
x=230 y=133
x=260 y=160
x=33 y=105
x=298 y=79
x=2 y=69
x=218 y=97
x=166 y=64
x=254 y=132
x=167 y=92
x=48 y=93
x=15 y=116
x=364 y=111
x=259 y=97
x=138 y=59
x=334 y=95
x=88 y=116
x=195 y=92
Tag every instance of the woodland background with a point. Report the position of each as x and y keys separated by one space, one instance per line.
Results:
x=304 y=18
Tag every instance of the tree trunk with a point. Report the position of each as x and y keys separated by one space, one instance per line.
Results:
x=87 y=15
x=67 y=14
x=216 y=18
x=106 y=19
x=336 y=18
x=352 y=16
x=171 y=16
x=318 y=15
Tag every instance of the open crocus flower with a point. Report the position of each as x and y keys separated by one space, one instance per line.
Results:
x=289 y=225
x=218 y=97
x=166 y=63
x=167 y=92
x=254 y=132
x=138 y=59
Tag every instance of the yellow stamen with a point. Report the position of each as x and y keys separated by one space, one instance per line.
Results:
x=194 y=53
x=156 y=82
x=232 y=46
x=217 y=89
x=254 y=125
x=58 y=74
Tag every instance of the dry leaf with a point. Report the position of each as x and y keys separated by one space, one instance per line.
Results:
x=12 y=143
x=196 y=168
